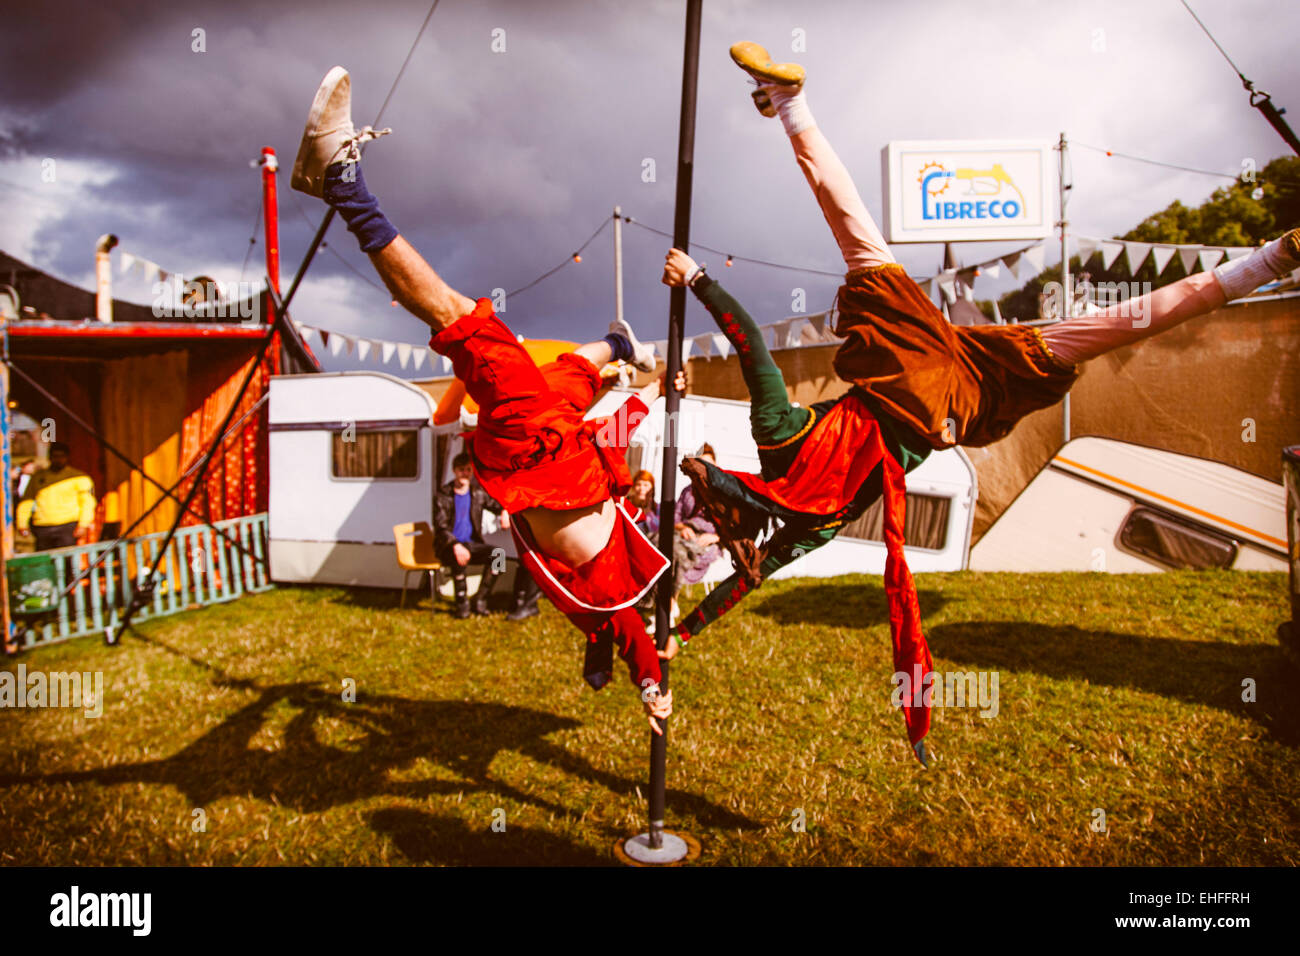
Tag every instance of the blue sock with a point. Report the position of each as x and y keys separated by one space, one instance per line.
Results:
x=359 y=209
x=620 y=345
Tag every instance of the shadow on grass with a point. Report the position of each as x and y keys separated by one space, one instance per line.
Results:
x=1198 y=672
x=837 y=605
x=315 y=751
x=425 y=838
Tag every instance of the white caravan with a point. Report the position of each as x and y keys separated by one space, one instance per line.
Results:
x=351 y=455
x=1107 y=505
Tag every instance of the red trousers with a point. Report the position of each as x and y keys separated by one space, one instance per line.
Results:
x=532 y=448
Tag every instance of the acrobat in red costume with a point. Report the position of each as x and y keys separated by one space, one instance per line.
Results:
x=557 y=475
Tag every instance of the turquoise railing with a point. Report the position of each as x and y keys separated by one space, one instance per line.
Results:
x=200 y=567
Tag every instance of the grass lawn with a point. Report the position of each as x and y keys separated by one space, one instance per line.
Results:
x=1117 y=693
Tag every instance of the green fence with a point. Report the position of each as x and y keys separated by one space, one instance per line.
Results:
x=200 y=567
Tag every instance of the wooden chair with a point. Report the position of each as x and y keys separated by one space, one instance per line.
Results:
x=415 y=553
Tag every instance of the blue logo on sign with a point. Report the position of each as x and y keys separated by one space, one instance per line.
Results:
x=981 y=201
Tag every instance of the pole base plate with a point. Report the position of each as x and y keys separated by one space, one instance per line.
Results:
x=677 y=848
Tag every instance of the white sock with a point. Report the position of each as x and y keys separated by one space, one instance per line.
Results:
x=791 y=107
x=1271 y=261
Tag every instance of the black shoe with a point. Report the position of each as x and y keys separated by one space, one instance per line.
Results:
x=523 y=613
x=484 y=592
x=462 y=609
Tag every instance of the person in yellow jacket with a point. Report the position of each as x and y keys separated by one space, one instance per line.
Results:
x=57 y=503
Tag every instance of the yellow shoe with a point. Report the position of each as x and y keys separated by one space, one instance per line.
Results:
x=757 y=62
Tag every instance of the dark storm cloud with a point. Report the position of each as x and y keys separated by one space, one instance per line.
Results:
x=502 y=163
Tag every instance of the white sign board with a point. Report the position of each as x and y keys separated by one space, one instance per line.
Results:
x=953 y=190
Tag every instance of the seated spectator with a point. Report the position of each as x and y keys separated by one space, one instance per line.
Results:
x=458 y=534
x=642 y=496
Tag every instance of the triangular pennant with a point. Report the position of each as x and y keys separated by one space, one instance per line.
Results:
x=1236 y=252
x=688 y=346
x=947 y=283
x=446 y=365
x=403 y=354
x=1012 y=262
x=363 y=348
x=305 y=332
x=661 y=348
x=1209 y=258
x=337 y=344
x=1035 y=256
x=151 y=270
x=1087 y=247
x=818 y=322
x=993 y=270
x=1161 y=255
x=349 y=342
x=781 y=333
x=324 y=338
x=1189 y=255
x=386 y=350
x=704 y=344
x=1110 y=252
x=1136 y=253
x=420 y=355
x=720 y=344
x=128 y=262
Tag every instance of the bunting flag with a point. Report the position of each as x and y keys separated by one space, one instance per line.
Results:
x=1209 y=258
x=720 y=344
x=386 y=350
x=1036 y=256
x=403 y=355
x=1189 y=256
x=993 y=270
x=419 y=355
x=363 y=348
x=704 y=344
x=818 y=322
x=128 y=262
x=1161 y=255
x=1110 y=252
x=337 y=344
x=1012 y=262
x=781 y=333
x=1087 y=247
x=1136 y=253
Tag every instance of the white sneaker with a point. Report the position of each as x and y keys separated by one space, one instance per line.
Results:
x=643 y=356
x=329 y=136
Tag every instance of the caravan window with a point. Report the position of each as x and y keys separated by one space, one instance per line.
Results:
x=1174 y=541
x=926 y=525
x=391 y=454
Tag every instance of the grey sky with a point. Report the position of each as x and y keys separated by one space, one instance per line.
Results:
x=502 y=163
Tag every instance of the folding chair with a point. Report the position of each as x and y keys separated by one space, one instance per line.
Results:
x=415 y=552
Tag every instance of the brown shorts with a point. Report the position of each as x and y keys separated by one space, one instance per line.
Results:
x=952 y=385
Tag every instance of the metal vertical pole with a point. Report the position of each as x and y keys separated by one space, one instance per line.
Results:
x=656 y=846
x=618 y=263
x=7 y=513
x=1067 y=302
